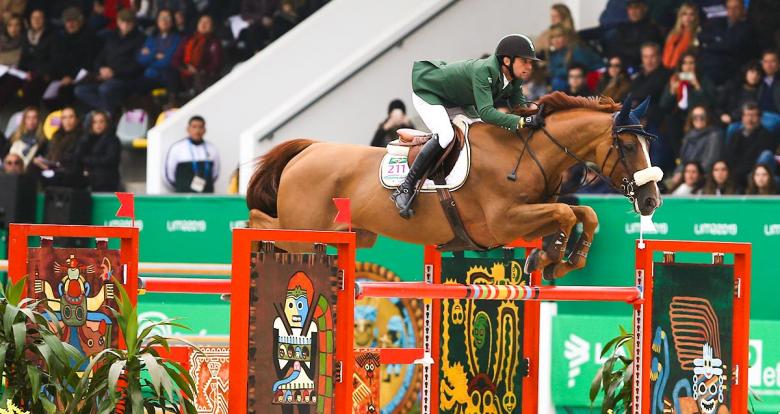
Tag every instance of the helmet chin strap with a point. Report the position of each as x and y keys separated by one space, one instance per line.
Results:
x=510 y=66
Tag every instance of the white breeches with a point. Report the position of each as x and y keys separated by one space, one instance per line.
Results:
x=436 y=118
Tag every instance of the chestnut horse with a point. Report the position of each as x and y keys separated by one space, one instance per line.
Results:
x=295 y=182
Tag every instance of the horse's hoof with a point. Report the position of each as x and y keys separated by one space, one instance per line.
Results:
x=548 y=273
x=532 y=261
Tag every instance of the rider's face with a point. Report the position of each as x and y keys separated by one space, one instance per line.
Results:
x=522 y=68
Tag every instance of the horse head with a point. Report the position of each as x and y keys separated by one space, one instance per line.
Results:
x=627 y=160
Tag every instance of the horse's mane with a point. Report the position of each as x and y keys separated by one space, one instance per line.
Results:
x=559 y=101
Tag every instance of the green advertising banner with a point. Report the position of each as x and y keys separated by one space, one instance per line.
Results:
x=764 y=374
x=577 y=343
x=738 y=219
x=185 y=229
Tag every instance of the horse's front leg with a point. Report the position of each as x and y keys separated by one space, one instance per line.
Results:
x=532 y=221
x=590 y=221
x=579 y=254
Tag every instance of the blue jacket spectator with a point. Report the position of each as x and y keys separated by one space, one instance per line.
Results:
x=725 y=44
x=614 y=13
x=769 y=91
x=157 y=53
x=746 y=144
x=566 y=51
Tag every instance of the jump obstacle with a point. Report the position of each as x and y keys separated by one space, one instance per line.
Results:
x=640 y=297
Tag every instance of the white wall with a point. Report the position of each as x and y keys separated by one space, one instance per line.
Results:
x=585 y=12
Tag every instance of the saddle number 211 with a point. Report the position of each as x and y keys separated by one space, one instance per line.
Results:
x=397 y=168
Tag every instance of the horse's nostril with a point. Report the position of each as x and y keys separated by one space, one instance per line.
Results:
x=650 y=203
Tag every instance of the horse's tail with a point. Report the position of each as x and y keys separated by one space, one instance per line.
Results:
x=264 y=185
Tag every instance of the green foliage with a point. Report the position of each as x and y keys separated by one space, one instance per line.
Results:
x=116 y=384
x=34 y=363
x=613 y=380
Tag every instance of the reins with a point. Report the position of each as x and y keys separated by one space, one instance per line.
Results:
x=627 y=188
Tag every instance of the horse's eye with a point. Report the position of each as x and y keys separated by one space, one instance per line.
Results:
x=629 y=147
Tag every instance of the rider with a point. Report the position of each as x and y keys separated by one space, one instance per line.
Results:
x=474 y=85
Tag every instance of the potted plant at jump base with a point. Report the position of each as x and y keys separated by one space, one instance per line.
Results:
x=35 y=364
x=614 y=378
x=116 y=384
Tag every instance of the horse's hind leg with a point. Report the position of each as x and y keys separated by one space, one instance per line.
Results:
x=365 y=239
x=261 y=220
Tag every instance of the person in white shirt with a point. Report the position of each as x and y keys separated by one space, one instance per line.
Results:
x=192 y=164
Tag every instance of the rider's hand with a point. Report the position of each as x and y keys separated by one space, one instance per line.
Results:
x=535 y=121
x=531 y=121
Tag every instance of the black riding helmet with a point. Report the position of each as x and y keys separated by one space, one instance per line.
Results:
x=516 y=45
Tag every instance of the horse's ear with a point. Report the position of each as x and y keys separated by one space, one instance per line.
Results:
x=641 y=109
x=622 y=118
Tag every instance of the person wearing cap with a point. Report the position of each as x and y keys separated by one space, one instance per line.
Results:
x=474 y=86
x=75 y=49
x=117 y=68
x=396 y=119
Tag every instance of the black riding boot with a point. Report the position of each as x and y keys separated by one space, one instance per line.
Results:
x=404 y=195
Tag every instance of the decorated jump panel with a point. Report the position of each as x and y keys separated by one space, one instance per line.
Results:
x=291 y=332
x=283 y=346
x=692 y=350
x=78 y=285
x=482 y=358
x=692 y=330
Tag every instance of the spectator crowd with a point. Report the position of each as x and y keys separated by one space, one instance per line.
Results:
x=710 y=68
x=91 y=60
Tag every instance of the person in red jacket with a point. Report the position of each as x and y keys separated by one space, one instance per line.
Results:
x=111 y=8
x=199 y=58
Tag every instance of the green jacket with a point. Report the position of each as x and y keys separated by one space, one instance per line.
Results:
x=473 y=85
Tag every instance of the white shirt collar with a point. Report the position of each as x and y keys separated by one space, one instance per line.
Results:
x=506 y=81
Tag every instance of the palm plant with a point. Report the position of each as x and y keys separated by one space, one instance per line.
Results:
x=35 y=365
x=613 y=380
x=116 y=385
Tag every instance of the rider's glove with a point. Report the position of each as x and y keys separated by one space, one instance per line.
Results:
x=532 y=121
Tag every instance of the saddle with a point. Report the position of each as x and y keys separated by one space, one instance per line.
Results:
x=409 y=144
x=414 y=141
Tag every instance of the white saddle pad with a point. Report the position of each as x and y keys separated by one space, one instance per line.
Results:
x=394 y=167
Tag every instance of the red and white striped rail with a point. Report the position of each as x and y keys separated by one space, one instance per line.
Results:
x=422 y=290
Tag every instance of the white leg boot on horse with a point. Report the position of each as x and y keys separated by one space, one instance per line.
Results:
x=295 y=183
